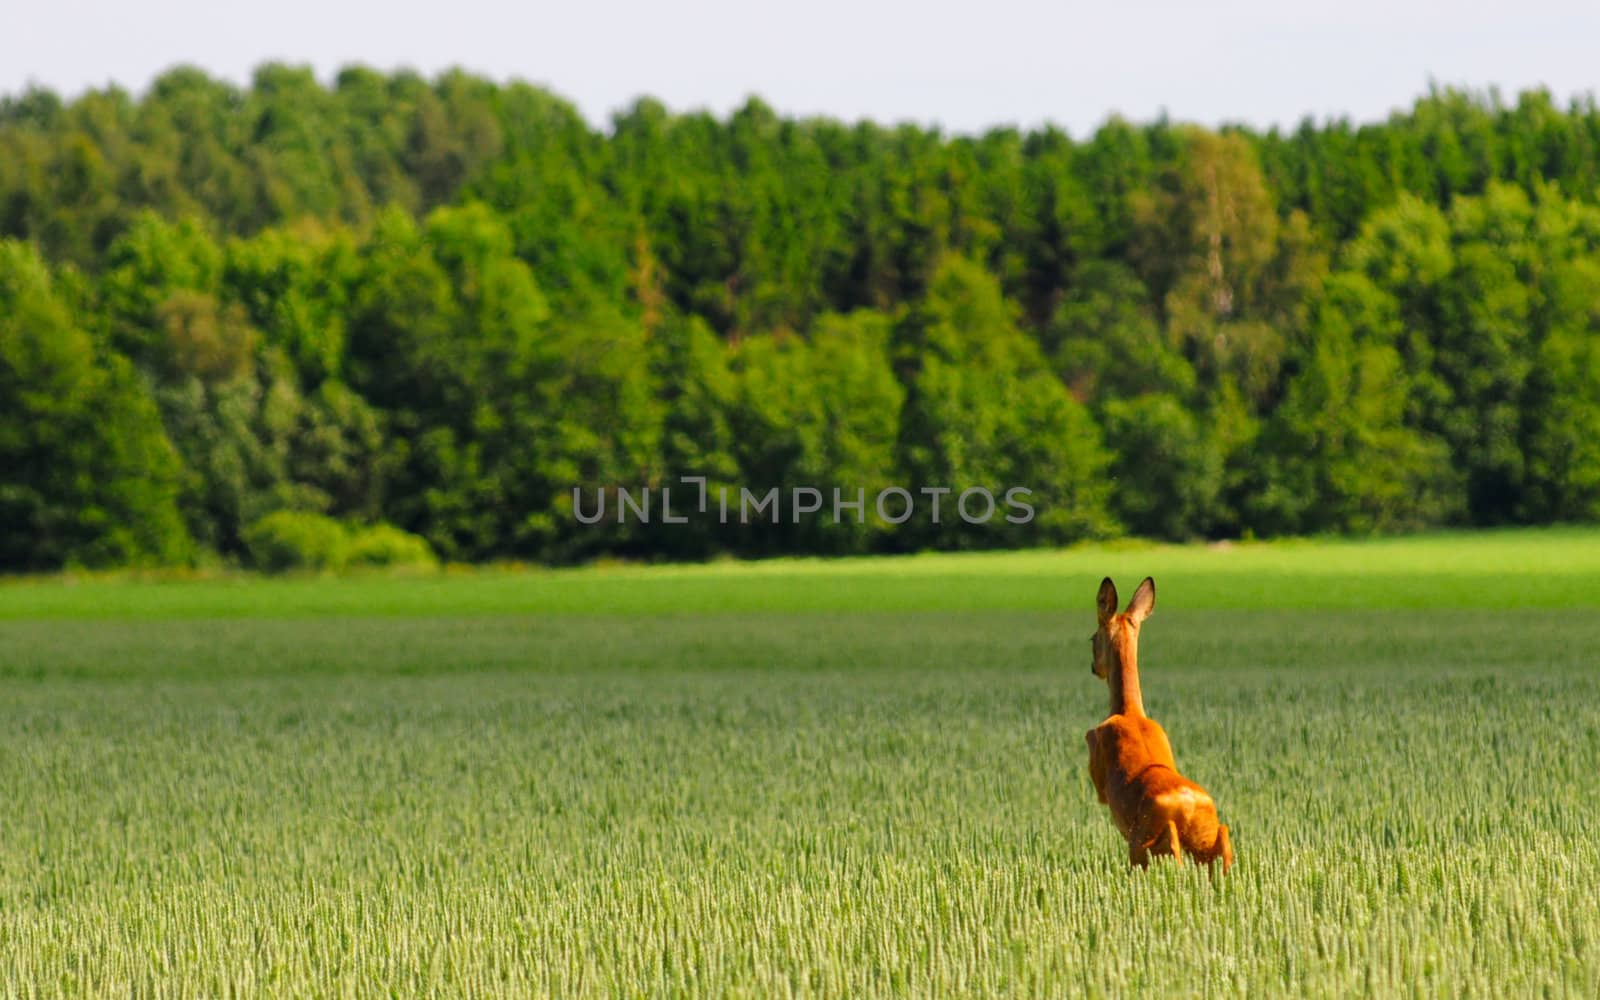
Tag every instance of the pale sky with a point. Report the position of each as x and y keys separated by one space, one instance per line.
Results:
x=964 y=66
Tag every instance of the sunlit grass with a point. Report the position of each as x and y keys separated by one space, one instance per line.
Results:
x=1548 y=567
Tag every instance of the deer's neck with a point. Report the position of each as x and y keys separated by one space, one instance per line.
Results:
x=1125 y=699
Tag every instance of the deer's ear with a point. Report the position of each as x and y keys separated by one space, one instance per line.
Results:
x=1144 y=601
x=1106 y=603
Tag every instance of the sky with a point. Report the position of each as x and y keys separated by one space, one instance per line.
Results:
x=965 y=67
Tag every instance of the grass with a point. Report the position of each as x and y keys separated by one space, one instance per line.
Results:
x=1530 y=568
x=815 y=778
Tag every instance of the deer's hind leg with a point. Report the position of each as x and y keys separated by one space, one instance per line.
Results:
x=1160 y=837
x=1165 y=840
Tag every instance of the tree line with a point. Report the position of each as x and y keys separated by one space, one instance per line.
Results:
x=441 y=305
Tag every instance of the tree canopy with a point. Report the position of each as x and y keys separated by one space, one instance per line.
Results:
x=446 y=304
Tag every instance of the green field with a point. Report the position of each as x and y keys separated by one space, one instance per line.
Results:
x=837 y=779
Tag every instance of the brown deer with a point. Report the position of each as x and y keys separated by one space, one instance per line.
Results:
x=1130 y=761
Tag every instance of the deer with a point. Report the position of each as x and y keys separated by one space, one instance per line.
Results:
x=1157 y=809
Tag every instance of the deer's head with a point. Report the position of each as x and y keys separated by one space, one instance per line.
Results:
x=1119 y=632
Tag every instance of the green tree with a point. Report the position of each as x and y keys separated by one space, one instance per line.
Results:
x=696 y=388
x=230 y=404
x=983 y=410
x=821 y=411
x=1107 y=342
x=1166 y=470
x=1338 y=455
x=88 y=477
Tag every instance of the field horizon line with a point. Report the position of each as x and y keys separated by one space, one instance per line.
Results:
x=1541 y=567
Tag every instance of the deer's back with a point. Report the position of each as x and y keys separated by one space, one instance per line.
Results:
x=1129 y=744
x=1133 y=763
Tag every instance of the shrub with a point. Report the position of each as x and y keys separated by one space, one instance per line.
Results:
x=386 y=545
x=289 y=539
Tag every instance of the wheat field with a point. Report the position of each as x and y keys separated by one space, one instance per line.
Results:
x=806 y=778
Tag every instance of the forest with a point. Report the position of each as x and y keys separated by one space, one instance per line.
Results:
x=418 y=313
